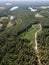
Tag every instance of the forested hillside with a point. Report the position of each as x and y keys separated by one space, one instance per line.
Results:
x=17 y=36
x=43 y=38
x=15 y=50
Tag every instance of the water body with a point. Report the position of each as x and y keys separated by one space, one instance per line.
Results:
x=34 y=10
x=13 y=8
x=11 y=17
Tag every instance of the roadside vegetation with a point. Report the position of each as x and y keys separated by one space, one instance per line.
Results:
x=43 y=39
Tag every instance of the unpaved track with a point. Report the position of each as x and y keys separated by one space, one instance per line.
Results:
x=36 y=45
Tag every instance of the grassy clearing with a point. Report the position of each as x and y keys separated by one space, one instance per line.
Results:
x=30 y=35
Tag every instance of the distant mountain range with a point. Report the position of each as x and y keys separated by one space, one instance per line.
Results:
x=34 y=3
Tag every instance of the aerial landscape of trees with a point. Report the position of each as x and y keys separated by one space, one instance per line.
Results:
x=13 y=49
x=17 y=37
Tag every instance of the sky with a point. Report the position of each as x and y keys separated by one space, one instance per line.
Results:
x=24 y=0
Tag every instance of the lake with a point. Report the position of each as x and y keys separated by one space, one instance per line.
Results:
x=13 y=8
x=34 y=10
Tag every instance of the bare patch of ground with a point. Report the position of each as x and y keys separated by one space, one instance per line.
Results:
x=38 y=15
x=44 y=7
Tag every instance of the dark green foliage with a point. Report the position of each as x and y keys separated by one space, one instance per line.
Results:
x=16 y=51
x=13 y=49
x=43 y=40
x=43 y=43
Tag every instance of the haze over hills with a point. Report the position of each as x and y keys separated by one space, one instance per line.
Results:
x=30 y=3
x=27 y=2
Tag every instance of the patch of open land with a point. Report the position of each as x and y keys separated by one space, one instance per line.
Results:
x=30 y=34
x=44 y=7
x=38 y=15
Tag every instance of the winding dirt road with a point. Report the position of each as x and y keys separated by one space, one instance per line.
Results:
x=36 y=45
